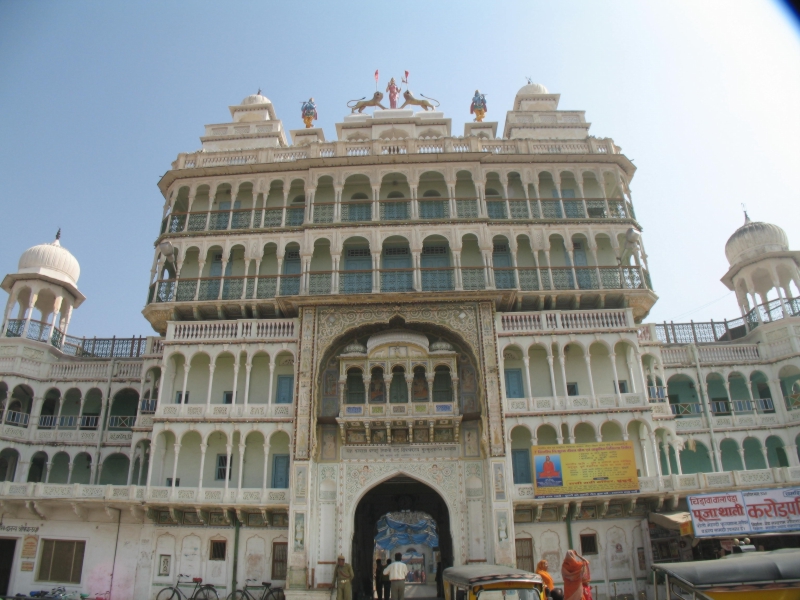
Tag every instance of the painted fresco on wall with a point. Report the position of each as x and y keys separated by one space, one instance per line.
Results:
x=471 y=442
x=377 y=390
x=299 y=532
x=329 y=443
x=419 y=389
x=499 y=481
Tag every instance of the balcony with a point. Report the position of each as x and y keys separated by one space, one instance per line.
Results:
x=114 y=347
x=413 y=409
x=540 y=404
x=241 y=330
x=537 y=322
x=399 y=210
x=334 y=149
x=444 y=279
x=224 y=412
x=139 y=494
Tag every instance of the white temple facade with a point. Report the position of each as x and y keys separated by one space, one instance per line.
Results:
x=390 y=323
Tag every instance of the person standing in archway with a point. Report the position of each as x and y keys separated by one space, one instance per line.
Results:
x=342 y=579
x=397 y=572
x=379 y=578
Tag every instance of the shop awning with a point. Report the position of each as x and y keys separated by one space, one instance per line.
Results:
x=676 y=521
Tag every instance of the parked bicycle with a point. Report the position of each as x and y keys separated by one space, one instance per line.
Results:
x=200 y=591
x=267 y=592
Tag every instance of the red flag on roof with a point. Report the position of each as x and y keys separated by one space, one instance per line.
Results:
x=376 y=74
x=405 y=79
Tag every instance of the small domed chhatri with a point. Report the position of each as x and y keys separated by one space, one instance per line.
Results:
x=256 y=98
x=52 y=260
x=532 y=88
x=753 y=239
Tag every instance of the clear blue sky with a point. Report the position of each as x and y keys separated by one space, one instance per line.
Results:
x=97 y=98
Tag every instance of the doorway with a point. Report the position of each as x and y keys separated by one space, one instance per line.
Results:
x=409 y=500
x=7 y=547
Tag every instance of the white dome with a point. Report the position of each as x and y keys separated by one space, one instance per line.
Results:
x=51 y=260
x=531 y=89
x=256 y=99
x=753 y=239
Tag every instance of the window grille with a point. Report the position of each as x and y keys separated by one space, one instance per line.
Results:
x=572 y=389
x=434 y=250
x=358 y=253
x=61 y=561
x=292 y=255
x=217 y=550
x=501 y=248
x=524 y=554
x=279 y=553
x=395 y=251
x=218 y=257
x=588 y=544
x=222 y=467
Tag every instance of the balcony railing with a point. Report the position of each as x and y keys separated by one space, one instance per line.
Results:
x=400 y=209
x=525 y=323
x=687 y=408
x=433 y=279
x=721 y=331
x=114 y=347
x=19 y=419
x=656 y=393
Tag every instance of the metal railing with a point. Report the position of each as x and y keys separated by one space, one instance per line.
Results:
x=433 y=279
x=656 y=393
x=400 y=209
x=19 y=419
x=84 y=347
x=148 y=407
x=725 y=330
x=686 y=408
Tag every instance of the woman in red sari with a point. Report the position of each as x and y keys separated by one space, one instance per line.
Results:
x=575 y=572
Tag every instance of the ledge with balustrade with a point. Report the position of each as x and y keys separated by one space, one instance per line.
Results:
x=541 y=404
x=140 y=494
x=222 y=412
x=389 y=148
x=436 y=209
x=379 y=281
x=67 y=429
x=244 y=330
x=557 y=321
x=695 y=482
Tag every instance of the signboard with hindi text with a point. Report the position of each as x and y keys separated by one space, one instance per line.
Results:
x=599 y=469
x=743 y=513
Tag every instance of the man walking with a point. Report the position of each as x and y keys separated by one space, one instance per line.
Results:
x=385 y=582
x=397 y=572
x=379 y=578
x=342 y=579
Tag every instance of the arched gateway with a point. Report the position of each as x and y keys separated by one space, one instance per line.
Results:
x=397 y=494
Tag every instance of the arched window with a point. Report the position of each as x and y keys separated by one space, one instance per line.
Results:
x=398 y=391
x=377 y=387
x=355 y=387
x=419 y=389
x=442 y=385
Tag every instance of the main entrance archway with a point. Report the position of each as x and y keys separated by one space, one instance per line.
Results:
x=398 y=494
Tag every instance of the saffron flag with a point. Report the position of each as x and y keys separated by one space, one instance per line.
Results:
x=376 y=75
x=405 y=79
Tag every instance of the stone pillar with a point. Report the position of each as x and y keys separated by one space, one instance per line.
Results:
x=211 y=366
x=203 y=448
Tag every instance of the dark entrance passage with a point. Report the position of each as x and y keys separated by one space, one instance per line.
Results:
x=398 y=494
x=7 y=548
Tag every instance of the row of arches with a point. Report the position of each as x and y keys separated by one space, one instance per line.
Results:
x=230 y=377
x=402 y=387
x=547 y=182
x=220 y=459
x=79 y=407
x=582 y=367
x=77 y=466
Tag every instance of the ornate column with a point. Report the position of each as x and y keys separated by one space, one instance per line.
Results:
x=430 y=376
x=236 y=359
x=552 y=376
x=211 y=367
x=177 y=450
x=228 y=458
x=241 y=467
x=666 y=447
x=271 y=378
x=588 y=360
x=562 y=363
x=645 y=464
x=203 y=448
x=29 y=312
x=248 y=366
x=526 y=360
x=415 y=254
x=613 y=358
x=264 y=475
x=656 y=454
x=677 y=449
x=186 y=366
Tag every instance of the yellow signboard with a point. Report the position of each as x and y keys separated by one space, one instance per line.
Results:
x=584 y=469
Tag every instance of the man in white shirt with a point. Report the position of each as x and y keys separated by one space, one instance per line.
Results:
x=397 y=572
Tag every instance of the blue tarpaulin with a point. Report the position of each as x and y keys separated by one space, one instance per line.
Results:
x=393 y=533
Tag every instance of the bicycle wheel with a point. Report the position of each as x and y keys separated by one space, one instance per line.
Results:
x=274 y=594
x=237 y=595
x=168 y=593
x=207 y=592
